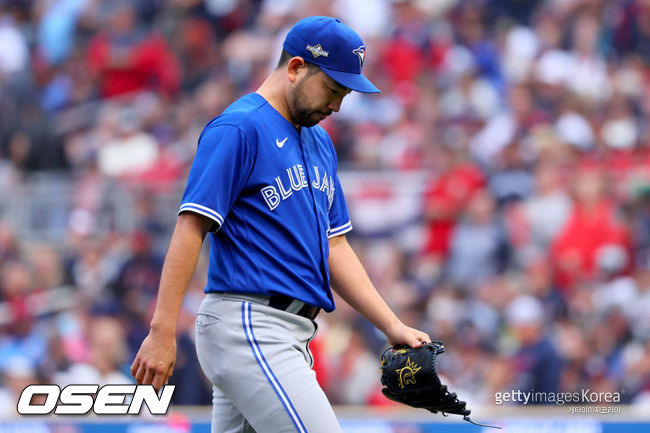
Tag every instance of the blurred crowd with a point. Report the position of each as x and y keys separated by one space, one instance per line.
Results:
x=529 y=121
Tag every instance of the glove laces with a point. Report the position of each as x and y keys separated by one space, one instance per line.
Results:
x=466 y=418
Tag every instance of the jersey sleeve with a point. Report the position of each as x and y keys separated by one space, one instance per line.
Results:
x=338 y=213
x=219 y=172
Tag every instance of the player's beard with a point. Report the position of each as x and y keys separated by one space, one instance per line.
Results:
x=300 y=111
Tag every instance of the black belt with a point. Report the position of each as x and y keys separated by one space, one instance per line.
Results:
x=283 y=302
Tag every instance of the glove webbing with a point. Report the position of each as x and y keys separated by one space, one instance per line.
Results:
x=451 y=397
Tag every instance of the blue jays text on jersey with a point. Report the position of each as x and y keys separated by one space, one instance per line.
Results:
x=275 y=198
x=298 y=180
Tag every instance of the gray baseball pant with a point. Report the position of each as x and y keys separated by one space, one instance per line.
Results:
x=259 y=363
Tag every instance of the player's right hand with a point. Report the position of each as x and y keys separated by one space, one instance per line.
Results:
x=154 y=363
x=402 y=334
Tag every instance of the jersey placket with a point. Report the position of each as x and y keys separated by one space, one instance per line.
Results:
x=306 y=159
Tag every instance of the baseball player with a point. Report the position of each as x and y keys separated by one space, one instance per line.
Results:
x=264 y=186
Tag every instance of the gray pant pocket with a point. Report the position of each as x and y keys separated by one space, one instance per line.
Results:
x=204 y=320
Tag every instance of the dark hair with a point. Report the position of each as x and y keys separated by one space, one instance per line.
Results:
x=286 y=56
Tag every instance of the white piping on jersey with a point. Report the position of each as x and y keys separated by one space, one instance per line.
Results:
x=337 y=231
x=200 y=209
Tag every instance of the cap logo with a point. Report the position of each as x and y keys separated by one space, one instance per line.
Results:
x=317 y=51
x=361 y=54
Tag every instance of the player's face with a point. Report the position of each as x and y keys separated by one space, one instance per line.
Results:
x=315 y=97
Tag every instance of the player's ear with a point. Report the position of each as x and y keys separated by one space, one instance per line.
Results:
x=294 y=67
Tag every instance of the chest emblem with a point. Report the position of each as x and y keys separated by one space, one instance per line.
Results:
x=279 y=143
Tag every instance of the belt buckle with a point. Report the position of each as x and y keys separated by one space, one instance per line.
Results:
x=283 y=302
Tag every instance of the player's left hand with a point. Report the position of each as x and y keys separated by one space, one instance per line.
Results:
x=400 y=334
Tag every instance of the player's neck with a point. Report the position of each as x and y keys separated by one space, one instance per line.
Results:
x=273 y=91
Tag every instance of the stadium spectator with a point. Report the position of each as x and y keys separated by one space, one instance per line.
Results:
x=126 y=58
x=537 y=363
x=479 y=248
x=592 y=224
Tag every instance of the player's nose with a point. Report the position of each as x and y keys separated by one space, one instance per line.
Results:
x=335 y=104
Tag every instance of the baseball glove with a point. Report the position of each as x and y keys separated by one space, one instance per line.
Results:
x=409 y=377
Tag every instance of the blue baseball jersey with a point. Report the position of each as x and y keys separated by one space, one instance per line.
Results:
x=275 y=198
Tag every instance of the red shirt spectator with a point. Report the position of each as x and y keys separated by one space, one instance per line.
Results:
x=125 y=59
x=445 y=200
x=592 y=224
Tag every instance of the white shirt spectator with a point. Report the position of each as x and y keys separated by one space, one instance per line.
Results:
x=572 y=128
x=521 y=47
x=14 y=54
x=131 y=155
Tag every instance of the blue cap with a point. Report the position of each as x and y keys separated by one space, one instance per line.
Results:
x=335 y=47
